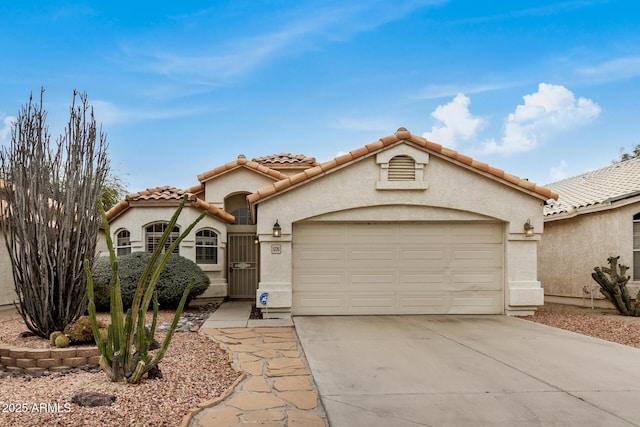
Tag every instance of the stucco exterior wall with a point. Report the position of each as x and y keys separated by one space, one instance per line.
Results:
x=453 y=193
x=571 y=248
x=7 y=289
x=240 y=179
x=136 y=219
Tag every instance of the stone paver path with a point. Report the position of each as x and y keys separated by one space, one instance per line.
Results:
x=278 y=389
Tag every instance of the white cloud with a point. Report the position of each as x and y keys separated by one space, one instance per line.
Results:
x=5 y=129
x=559 y=172
x=550 y=110
x=457 y=122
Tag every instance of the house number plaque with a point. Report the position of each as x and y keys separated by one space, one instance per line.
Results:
x=276 y=249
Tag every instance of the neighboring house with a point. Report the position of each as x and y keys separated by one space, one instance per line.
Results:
x=399 y=226
x=597 y=215
x=7 y=290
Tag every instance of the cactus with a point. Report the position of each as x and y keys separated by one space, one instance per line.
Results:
x=121 y=357
x=53 y=336
x=613 y=285
x=62 y=341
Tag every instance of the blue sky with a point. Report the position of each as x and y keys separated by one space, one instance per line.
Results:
x=541 y=89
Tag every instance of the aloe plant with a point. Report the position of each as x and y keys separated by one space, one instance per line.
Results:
x=125 y=352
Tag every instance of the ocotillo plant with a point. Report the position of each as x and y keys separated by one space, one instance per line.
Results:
x=119 y=358
x=614 y=287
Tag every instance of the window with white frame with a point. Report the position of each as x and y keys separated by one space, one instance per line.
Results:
x=153 y=233
x=123 y=243
x=206 y=247
x=636 y=247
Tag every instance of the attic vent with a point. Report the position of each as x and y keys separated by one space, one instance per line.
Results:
x=402 y=168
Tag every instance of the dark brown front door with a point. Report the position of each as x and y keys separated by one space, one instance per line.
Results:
x=243 y=266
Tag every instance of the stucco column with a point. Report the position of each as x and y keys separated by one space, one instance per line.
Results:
x=523 y=293
x=275 y=276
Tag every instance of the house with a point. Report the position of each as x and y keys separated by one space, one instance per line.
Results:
x=399 y=226
x=597 y=215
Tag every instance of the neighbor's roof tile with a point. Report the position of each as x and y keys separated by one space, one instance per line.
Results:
x=401 y=135
x=172 y=194
x=601 y=186
x=286 y=160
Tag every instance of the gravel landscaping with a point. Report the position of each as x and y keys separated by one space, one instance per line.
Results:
x=196 y=369
x=601 y=323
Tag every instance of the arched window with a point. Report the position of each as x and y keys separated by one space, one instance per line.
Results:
x=123 y=243
x=153 y=233
x=402 y=168
x=636 y=247
x=206 y=247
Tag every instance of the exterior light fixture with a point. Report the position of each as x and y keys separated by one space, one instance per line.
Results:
x=277 y=230
x=256 y=239
x=528 y=228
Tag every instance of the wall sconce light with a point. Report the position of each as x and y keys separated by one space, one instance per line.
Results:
x=256 y=240
x=277 y=230
x=528 y=228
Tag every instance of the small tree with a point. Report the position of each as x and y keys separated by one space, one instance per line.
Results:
x=613 y=285
x=49 y=211
x=635 y=152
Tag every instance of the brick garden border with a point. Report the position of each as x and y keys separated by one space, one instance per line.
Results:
x=38 y=360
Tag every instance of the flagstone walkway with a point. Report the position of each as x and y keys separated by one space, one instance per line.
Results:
x=276 y=388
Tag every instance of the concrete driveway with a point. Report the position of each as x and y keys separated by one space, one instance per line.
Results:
x=467 y=371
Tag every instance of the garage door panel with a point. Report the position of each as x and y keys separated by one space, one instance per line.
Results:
x=421 y=258
x=476 y=281
x=422 y=302
x=318 y=304
x=398 y=268
x=323 y=282
x=475 y=233
x=416 y=233
x=371 y=302
x=320 y=257
x=473 y=303
x=364 y=233
x=480 y=257
x=370 y=280
x=370 y=257
x=422 y=280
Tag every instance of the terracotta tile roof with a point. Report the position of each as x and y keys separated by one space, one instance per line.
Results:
x=600 y=187
x=286 y=160
x=403 y=135
x=241 y=161
x=171 y=194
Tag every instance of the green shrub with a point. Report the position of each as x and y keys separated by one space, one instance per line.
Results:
x=175 y=277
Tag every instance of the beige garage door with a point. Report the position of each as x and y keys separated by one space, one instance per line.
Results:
x=397 y=268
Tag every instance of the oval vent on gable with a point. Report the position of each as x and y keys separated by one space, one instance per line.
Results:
x=402 y=168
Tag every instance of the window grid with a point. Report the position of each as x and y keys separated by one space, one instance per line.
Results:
x=123 y=243
x=154 y=233
x=206 y=247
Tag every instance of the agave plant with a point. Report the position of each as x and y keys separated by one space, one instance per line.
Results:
x=125 y=352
